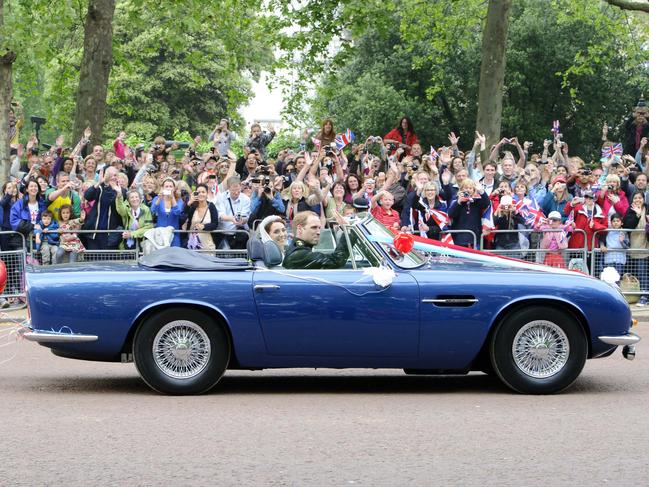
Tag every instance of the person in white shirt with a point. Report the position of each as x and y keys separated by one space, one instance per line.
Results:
x=234 y=209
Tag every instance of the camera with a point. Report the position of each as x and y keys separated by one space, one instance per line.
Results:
x=264 y=170
x=253 y=150
x=211 y=176
x=392 y=146
x=501 y=191
x=465 y=194
x=195 y=194
x=153 y=167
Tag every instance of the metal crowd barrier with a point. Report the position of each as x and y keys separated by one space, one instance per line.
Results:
x=631 y=263
x=14 y=257
x=530 y=250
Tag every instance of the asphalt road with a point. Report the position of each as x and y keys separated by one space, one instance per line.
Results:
x=68 y=422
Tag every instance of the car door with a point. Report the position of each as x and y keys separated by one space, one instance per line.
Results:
x=338 y=313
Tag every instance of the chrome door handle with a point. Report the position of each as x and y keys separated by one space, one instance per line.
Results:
x=450 y=301
x=261 y=287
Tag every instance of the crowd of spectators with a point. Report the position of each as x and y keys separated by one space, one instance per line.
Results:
x=506 y=197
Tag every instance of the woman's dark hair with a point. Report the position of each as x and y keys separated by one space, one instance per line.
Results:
x=35 y=181
x=4 y=186
x=358 y=178
x=324 y=123
x=411 y=129
x=204 y=186
x=271 y=223
x=338 y=183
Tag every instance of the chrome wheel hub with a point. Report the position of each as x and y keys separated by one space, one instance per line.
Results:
x=181 y=349
x=540 y=349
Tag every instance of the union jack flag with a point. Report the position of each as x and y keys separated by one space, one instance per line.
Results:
x=530 y=211
x=316 y=143
x=433 y=153
x=344 y=139
x=488 y=218
x=612 y=151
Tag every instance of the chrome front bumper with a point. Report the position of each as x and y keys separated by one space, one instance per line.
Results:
x=628 y=341
x=43 y=336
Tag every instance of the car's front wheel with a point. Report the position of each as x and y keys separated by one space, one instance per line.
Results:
x=181 y=351
x=538 y=350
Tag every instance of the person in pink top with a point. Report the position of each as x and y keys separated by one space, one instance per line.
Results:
x=119 y=145
x=611 y=198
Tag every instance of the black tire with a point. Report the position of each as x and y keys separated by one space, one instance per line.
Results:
x=524 y=379
x=211 y=365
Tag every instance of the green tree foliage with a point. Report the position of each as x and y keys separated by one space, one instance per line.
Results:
x=576 y=61
x=177 y=65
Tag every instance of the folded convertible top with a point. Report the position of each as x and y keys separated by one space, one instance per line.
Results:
x=177 y=258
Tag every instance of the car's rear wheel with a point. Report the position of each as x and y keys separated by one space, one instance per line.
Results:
x=538 y=350
x=181 y=351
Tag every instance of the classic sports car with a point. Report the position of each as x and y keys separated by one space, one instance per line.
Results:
x=184 y=318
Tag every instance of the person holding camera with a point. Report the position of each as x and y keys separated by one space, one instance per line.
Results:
x=266 y=200
x=507 y=218
x=234 y=209
x=222 y=137
x=168 y=209
x=466 y=213
x=403 y=136
x=611 y=198
x=202 y=219
x=557 y=197
x=136 y=216
x=65 y=193
x=258 y=140
x=104 y=214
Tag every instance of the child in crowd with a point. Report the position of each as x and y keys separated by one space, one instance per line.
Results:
x=615 y=241
x=70 y=246
x=381 y=205
x=47 y=238
x=555 y=239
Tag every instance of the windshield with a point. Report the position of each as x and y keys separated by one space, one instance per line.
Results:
x=379 y=234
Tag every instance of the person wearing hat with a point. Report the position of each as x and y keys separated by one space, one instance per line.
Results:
x=557 y=197
x=554 y=239
x=588 y=216
x=507 y=218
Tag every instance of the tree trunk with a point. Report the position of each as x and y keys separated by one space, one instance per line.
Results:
x=95 y=69
x=7 y=59
x=492 y=70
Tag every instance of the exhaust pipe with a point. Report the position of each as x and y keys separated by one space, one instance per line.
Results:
x=628 y=352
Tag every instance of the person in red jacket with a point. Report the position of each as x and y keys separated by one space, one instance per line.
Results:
x=403 y=136
x=588 y=216
x=611 y=198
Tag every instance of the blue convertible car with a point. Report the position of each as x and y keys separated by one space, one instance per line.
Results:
x=184 y=318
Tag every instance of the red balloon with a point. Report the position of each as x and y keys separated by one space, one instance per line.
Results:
x=404 y=242
x=3 y=276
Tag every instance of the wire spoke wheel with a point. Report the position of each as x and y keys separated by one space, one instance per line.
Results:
x=541 y=349
x=181 y=349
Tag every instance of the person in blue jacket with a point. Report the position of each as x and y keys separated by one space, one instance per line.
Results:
x=466 y=212
x=26 y=212
x=168 y=208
